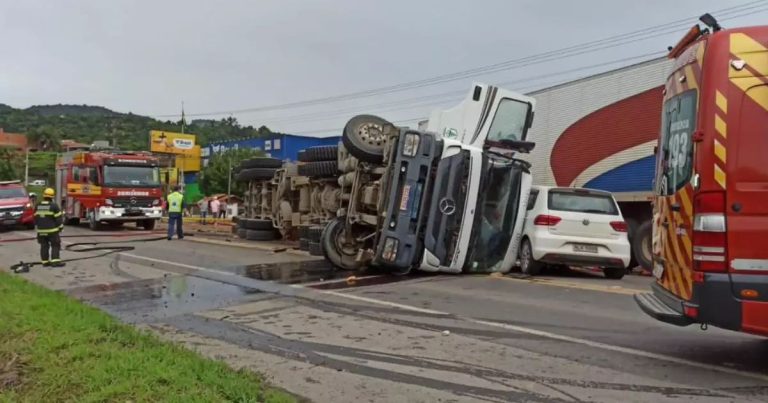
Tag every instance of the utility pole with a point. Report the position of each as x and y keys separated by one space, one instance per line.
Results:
x=26 y=168
x=229 y=178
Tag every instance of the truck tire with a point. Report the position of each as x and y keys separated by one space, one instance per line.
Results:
x=251 y=174
x=641 y=246
x=339 y=255
x=260 y=235
x=319 y=169
x=529 y=265
x=242 y=233
x=302 y=156
x=315 y=249
x=92 y=223
x=257 y=224
x=322 y=153
x=261 y=162
x=148 y=225
x=303 y=244
x=315 y=233
x=364 y=137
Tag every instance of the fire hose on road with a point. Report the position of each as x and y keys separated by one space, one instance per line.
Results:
x=108 y=247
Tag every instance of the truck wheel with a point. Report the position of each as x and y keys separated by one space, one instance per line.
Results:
x=302 y=156
x=242 y=233
x=315 y=233
x=260 y=235
x=528 y=265
x=251 y=174
x=315 y=249
x=303 y=244
x=321 y=153
x=257 y=224
x=92 y=223
x=261 y=162
x=632 y=226
x=614 y=273
x=319 y=169
x=148 y=225
x=364 y=137
x=641 y=246
x=335 y=251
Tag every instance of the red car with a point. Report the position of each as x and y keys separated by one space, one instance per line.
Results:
x=16 y=207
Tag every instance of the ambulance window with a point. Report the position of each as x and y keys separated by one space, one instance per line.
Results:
x=676 y=153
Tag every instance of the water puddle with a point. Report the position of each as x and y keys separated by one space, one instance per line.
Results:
x=156 y=299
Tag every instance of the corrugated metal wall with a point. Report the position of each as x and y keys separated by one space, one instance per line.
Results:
x=560 y=107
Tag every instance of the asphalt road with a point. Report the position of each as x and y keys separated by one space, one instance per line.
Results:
x=571 y=336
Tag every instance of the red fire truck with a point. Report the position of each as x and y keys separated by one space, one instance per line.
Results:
x=710 y=224
x=109 y=187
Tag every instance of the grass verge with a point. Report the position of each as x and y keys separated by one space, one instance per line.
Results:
x=54 y=348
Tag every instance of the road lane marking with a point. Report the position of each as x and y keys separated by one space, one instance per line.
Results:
x=616 y=289
x=506 y=326
x=560 y=337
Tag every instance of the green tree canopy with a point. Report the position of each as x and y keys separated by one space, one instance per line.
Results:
x=215 y=176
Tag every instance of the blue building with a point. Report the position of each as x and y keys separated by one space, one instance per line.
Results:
x=283 y=146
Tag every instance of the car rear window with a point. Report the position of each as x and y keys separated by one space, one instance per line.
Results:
x=593 y=203
x=12 y=193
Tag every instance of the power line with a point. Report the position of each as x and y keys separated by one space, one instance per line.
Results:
x=436 y=99
x=588 y=47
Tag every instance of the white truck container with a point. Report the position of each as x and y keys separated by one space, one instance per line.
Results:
x=600 y=132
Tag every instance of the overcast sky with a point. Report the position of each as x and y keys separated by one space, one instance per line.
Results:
x=147 y=56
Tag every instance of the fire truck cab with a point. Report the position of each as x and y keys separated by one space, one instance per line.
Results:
x=104 y=187
x=710 y=225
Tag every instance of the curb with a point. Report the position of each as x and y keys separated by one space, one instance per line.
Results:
x=254 y=245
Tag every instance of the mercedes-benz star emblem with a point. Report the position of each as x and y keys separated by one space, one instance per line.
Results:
x=585 y=222
x=447 y=206
x=133 y=200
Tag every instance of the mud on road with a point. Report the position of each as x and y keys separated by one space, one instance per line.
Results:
x=318 y=333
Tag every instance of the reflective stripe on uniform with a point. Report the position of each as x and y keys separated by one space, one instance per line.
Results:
x=48 y=231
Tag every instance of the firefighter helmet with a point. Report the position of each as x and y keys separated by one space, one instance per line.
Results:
x=49 y=192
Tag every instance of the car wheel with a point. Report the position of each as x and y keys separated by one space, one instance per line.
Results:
x=641 y=246
x=529 y=265
x=614 y=273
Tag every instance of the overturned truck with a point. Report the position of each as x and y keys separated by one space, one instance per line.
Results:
x=449 y=197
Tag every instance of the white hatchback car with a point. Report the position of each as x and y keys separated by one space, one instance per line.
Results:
x=574 y=227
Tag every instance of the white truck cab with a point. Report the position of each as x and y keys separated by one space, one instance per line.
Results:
x=479 y=199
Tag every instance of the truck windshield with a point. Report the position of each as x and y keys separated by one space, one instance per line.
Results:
x=497 y=209
x=121 y=176
x=509 y=123
x=12 y=193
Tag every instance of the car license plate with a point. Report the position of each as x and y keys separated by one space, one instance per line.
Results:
x=658 y=270
x=404 y=197
x=585 y=248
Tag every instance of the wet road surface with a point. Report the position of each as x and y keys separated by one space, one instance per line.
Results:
x=570 y=336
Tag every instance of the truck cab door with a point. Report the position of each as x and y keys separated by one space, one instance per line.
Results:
x=487 y=117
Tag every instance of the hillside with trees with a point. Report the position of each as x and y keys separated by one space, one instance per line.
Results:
x=47 y=125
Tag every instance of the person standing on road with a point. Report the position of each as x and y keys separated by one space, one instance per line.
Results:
x=203 y=205
x=175 y=216
x=223 y=208
x=49 y=223
x=215 y=208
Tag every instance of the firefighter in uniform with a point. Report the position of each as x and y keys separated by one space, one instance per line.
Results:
x=49 y=223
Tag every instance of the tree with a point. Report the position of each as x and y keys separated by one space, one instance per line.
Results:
x=11 y=164
x=215 y=176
